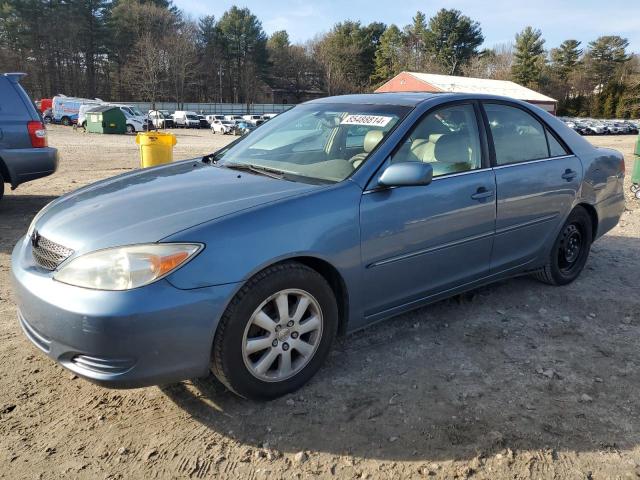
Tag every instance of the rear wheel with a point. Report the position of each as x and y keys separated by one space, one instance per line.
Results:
x=66 y=121
x=570 y=250
x=276 y=332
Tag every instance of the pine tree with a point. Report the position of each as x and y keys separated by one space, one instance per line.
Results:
x=388 y=56
x=452 y=39
x=529 y=59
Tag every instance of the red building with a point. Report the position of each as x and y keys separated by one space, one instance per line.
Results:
x=427 y=82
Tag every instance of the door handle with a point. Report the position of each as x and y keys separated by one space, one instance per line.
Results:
x=482 y=193
x=569 y=174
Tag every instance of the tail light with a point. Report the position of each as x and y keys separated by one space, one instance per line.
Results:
x=37 y=134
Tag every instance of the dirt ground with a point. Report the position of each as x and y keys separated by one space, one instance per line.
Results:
x=517 y=380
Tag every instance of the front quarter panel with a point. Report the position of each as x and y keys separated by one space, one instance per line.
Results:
x=322 y=224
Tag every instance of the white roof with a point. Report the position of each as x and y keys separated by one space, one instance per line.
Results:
x=448 y=83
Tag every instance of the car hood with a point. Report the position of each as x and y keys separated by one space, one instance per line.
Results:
x=149 y=205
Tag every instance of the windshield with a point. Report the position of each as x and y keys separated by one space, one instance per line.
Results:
x=192 y=117
x=137 y=112
x=325 y=142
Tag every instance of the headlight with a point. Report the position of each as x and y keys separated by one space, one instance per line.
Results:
x=128 y=267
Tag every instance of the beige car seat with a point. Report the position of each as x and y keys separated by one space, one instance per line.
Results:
x=371 y=140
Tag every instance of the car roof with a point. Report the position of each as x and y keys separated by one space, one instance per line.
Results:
x=14 y=76
x=407 y=99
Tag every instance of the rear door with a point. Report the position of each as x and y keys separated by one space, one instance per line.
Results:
x=537 y=181
x=422 y=240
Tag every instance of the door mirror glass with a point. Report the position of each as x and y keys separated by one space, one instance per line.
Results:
x=406 y=174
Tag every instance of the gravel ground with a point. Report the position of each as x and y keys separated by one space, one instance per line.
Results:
x=516 y=380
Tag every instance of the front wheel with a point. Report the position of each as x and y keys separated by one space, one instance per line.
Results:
x=130 y=129
x=276 y=332
x=570 y=250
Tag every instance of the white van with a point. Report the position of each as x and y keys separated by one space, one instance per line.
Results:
x=65 y=109
x=186 y=119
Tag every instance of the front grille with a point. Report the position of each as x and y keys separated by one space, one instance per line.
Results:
x=48 y=254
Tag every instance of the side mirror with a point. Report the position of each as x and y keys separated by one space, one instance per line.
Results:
x=406 y=174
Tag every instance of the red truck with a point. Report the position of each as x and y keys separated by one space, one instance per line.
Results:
x=44 y=104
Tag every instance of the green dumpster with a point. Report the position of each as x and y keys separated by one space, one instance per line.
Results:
x=106 y=119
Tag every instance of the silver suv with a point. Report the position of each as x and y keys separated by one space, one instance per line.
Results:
x=24 y=152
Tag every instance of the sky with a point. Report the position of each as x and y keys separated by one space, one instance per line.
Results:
x=559 y=20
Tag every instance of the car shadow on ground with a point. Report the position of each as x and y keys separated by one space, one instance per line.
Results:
x=16 y=213
x=516 y=365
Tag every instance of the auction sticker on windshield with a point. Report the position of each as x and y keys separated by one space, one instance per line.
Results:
x=370 y=120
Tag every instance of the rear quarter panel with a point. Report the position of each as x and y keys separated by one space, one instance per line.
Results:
x=603 y=179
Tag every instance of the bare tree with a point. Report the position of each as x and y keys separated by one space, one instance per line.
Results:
x=146 y=72
x=181 y=51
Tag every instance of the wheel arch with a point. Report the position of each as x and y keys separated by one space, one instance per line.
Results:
x=4 y=172
x=330 y=273
x=593 y=214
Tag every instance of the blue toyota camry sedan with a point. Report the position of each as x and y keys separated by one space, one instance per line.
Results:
x=332 y=216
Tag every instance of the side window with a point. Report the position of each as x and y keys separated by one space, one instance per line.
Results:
x=555 y=148
x=517 y=136
x=448 y=139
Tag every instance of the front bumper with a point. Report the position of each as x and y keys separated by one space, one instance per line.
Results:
x=156 y=334
x=26 y=164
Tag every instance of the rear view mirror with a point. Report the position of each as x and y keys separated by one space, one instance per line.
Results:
x=406 y=174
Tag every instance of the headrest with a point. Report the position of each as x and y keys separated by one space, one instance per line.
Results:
x=452 y=149
x=371 y=139
x=434 y=137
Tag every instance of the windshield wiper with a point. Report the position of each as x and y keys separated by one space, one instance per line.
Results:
x=256 y=169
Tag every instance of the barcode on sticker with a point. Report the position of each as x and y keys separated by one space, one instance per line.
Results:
x=370 y=120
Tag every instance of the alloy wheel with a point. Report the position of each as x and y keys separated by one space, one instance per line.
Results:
x=282 y=335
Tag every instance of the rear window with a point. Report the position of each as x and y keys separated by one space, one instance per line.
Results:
x=15 y=104
x=517 y=136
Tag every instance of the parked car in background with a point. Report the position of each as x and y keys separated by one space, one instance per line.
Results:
x=269 y=116
x=160 y=119
x=24 y=151
x=253 y=119
x=47 y=116
x=342 y=212
x=136 y=120
x=212 y=118
x=222 y=126
x=65 y=109
x=204 y=123
x=186 y=119
x=590 y=126
x=234 y=118
x=243 y=127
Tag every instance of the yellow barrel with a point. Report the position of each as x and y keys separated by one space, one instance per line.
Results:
x=156 y=148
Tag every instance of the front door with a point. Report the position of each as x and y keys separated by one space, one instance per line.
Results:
x=422 y=240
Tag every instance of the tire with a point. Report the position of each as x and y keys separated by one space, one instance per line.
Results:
x=66 y=121
x=570 y=250
x=240 y=369
x=130 y=129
